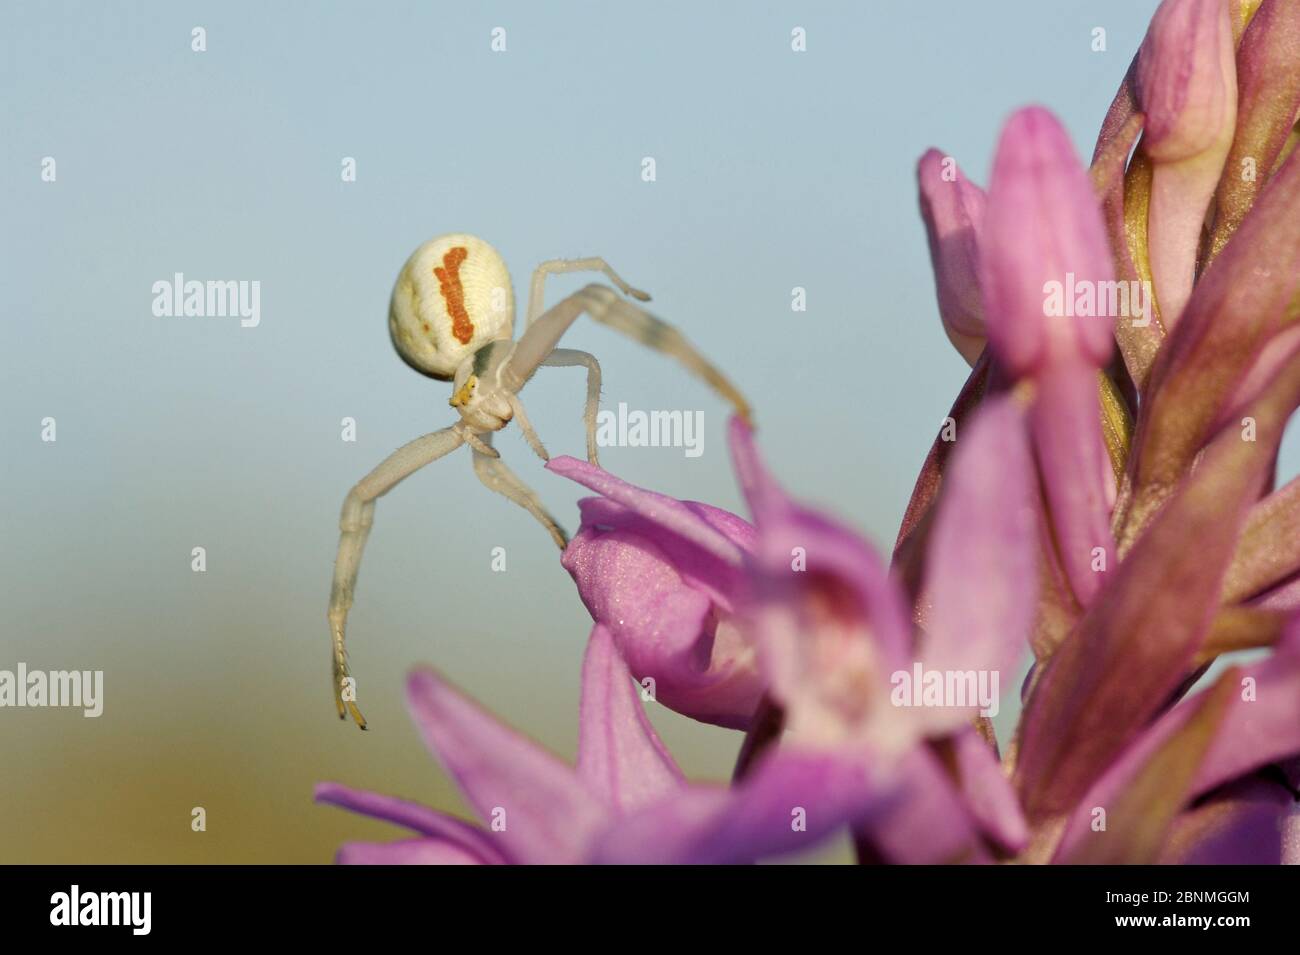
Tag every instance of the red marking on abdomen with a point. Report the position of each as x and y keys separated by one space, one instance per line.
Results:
x=454 y=294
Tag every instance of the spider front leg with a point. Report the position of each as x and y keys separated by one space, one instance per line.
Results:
x=497 y=476
x=567 y=358
x=559 y=266
x=530 y=433
x=604 y=305
x=354 y=528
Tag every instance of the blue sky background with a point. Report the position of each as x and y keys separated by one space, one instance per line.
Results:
x=774 y=170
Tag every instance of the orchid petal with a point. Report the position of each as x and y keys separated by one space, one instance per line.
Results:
x=766 y=500
x=1138 y=639
x=664 y=576
x=1248 y=719
x=1125 y=194
x=832 y=626
x=828 y=546
x=1269 y=548
x=1059 y=611
x=620 y=756
x=672 y=514
x=988 y=793
x=1116 y=137
x=547 y=814
x=408 y=852
x=1066 y=427
x=909 y=547
x=700 y=569
x=1242 y=301
x=953 y=210
x=1271 y=360
x=1240 y=628
x=1284 y=598
x=1125 y=198
x=822 y=550
x=1238 y=825
x=1291 y=837
x=439 y=826
x=979 y=599
x=1142 y=795
x=927 y=822
x=666 y=629
x=1262 y=721
x=790 y=802
x=832 y=623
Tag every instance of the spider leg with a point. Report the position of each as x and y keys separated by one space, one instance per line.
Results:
x=481 y=446
x=497 y=476
x=557 y=266
x=526 y=426
x=604 y=306
x=354 y=528
x=568 y=357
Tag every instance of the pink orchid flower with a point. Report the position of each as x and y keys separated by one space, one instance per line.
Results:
x=666 y=578
x=833 y=632
x=537 y=808
x=848 y=762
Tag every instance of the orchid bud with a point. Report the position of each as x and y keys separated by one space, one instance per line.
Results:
x=953 y=209
x=1045 y=266
x=1051 y=302
x=1187 y=87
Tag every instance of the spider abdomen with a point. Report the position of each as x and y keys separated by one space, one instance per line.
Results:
x=452 y=296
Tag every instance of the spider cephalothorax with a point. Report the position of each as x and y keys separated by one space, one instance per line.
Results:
x=452 y=318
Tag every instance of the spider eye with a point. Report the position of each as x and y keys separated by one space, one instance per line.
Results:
x=464 y=393
x=452 y=296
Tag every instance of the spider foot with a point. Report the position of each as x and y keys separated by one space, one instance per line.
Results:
x=345 y=690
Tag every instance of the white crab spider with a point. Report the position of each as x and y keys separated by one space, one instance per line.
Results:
x=452 y=318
